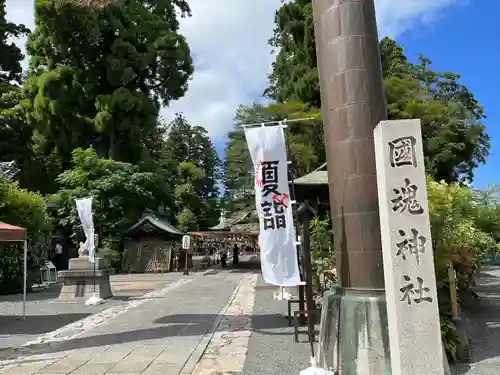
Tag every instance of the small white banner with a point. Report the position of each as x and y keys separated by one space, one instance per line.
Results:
x=84 y=208
x=277 y=240
x=186 y=242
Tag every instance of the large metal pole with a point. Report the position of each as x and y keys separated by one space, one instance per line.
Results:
x=353 y=103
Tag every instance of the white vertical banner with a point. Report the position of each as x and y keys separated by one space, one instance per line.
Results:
x=84 y=208
x=277 y=240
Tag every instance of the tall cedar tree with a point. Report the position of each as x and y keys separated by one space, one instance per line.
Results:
x=98 y=76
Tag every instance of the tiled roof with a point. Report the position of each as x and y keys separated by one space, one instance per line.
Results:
x=317 y=177
x=156 y=222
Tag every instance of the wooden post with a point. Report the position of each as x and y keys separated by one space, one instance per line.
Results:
x=306 y=213
x=453 y=290
x=302 y=318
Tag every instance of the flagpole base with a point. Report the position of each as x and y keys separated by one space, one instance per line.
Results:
x=94 y=300
x=354 y=335
x=315 y=370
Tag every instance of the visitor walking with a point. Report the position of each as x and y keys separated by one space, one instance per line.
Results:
x=236 y=254
x=223 y=259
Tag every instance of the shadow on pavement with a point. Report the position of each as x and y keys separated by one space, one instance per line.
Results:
x=174 y=325
x=483 y=323
x=50 y=292
x=269 y=321
x=36 y=324
x=179 y=325
x=248 y=264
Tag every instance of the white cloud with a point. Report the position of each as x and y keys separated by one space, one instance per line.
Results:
x=21 y=11
x=228 y=40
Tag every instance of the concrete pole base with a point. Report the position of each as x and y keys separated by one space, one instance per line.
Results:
x=354 y=335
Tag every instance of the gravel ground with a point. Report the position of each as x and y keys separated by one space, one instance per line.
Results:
x=272 y=350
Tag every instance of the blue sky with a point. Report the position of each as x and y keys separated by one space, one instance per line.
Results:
x=465 y=40
x=232 y=57
x=459 y=37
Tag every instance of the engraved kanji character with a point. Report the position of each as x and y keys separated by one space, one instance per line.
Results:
x=402 y=152
x=416 y=294
x=414 y=245
x=406 y=199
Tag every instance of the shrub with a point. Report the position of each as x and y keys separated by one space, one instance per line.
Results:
x=25 y=209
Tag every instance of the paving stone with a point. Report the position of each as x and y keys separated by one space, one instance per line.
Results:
x=156 y=337
x=49 y=319
x=4 y=369
x=94 y=369
x=162 y=369
x=112 y=355
x=482 y=326
x=148 y=351
x=63 y=366
x=86 y=353
x=132 y=364
x=28 y=368
x=226 y=351
x=171 y=356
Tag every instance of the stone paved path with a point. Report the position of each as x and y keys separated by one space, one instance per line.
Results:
x=165 y=333
x=483 y=324
x=227 y=350
x=45 y=313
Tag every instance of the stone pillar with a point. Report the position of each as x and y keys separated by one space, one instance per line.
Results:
x=410 y=281
x=353 y=103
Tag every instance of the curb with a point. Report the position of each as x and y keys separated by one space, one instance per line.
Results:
x=196 y=355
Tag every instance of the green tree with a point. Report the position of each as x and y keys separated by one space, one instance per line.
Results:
x=294 y=75
x=22 y=208
x=191 y=206
x=99 y=74
x=191 y=144
x=10 y=54
x=305 y=139
x=464 y=233
x=394 y=61
x=120 y=190
x=37 y=172
x=25 y=209
x=15 y=135
x=455 y=139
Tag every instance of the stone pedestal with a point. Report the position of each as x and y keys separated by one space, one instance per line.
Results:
x=78 y=280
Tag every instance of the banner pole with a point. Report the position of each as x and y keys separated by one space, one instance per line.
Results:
x=300 y=255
